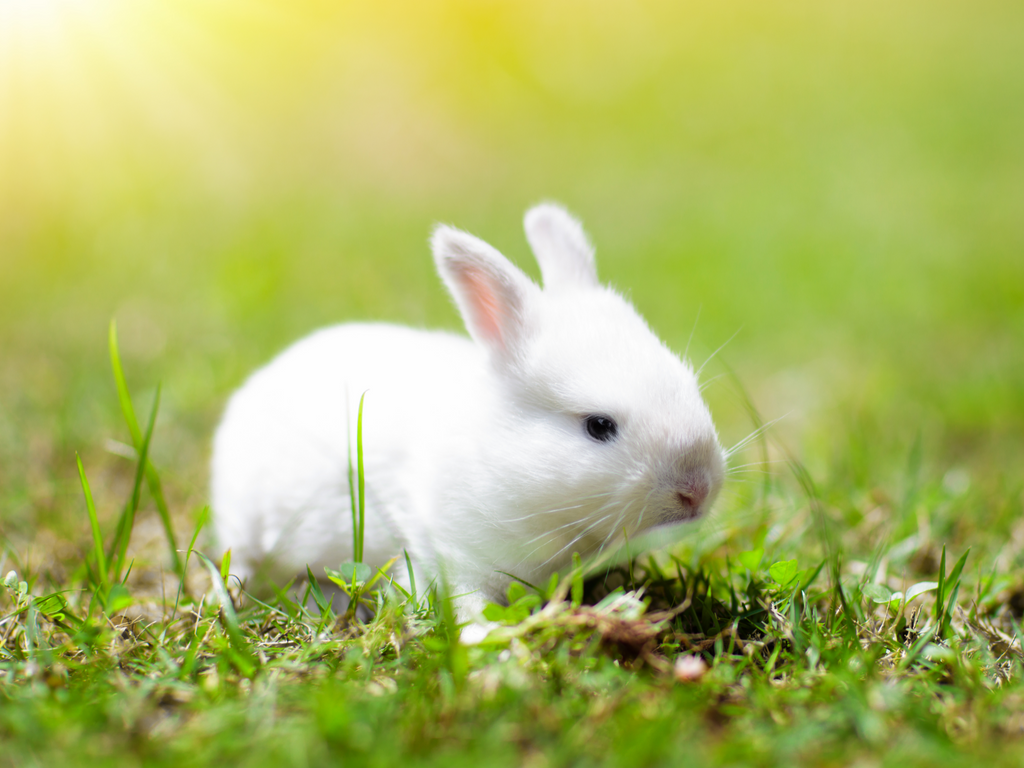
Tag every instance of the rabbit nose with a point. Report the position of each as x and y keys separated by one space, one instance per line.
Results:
x=691 y=494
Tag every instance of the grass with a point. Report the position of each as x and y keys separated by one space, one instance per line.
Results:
x=839 y=183
x=700 y=654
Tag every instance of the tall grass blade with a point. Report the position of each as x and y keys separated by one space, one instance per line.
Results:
x=913 y=473
x=954 y=575
x=152 y=477
x=225 y=565
x=322 y=603
x=759 y=427
x=127 y=522
x=806 y=482
x=456 y=656
x=810 y=579
x=947 y=615
x=362 y=481
x=876 y=560
x=412 y=575
x=940 y=597
x=204 y=515
x=352 y=483
x=246 y=662
x=157 y=492
x=122 y=387
x=35 y=648
x=847 y=619
x=915 y=650
x=97 y=536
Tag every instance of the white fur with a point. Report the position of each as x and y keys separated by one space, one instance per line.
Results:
x=477 y=458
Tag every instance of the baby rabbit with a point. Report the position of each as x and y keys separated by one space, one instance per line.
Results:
x=563 y=423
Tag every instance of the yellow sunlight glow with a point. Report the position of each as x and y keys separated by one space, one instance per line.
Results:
x=81 y=84
x=84 y=83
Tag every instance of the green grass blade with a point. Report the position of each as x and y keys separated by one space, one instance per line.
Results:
x=157 y=492
x=847 y=619
x=954 y=575
x=382 y=572
x=810 y=579
x=806 y=482
x=913 y=472
x=916 y=648
x=760 y=429
x=128 y=516
x=362 y=481
x=318 y=597
x=230 y=619
x=524 y=582
x=225 y=564
x=354 y=505
x=291 y=608
x=412 y=575
x=97 y=536
x=940 y=597
x=122 y=387
x=152 y=477
x=876 y=559
x=204 y=515
x=947 y=614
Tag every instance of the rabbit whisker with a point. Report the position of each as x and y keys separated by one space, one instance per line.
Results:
x=548 y=540
x=704 y=384
x=697 y=374
x=754 y=464
x=578 y=538
x=643 y=510
x=614 y=530
x=549 y=536
x=753 y=436
x=549 y=533
x=582 y=503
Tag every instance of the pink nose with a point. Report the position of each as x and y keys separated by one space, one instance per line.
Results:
x=691 y=493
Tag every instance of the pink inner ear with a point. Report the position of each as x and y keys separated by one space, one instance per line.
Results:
x=485 y=308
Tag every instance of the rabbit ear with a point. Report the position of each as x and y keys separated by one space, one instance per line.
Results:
x=490 y=292
x=563 y=251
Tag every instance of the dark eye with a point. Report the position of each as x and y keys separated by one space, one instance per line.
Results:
x=601 y=428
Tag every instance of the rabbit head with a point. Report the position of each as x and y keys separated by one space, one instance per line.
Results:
x=599 y=428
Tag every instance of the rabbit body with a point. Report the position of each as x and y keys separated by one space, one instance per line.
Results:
x=561 y=424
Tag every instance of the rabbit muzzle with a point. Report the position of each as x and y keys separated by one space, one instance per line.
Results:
x=688 y=500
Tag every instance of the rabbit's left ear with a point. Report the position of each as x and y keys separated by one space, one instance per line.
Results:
x=492 y=295
x=563 y=251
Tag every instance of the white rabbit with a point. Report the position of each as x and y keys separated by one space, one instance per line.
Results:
x=563 y=423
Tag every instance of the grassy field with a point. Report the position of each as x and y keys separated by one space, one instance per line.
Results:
x=835 y=192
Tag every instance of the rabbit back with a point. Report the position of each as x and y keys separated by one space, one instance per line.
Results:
x=281 y=455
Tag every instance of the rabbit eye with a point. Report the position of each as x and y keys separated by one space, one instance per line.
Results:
x=601 y=428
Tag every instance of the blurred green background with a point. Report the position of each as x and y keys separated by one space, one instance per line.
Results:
x=840 y=185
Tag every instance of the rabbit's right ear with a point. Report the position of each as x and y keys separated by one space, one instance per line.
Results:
x=490 y=292
x=562 y=248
